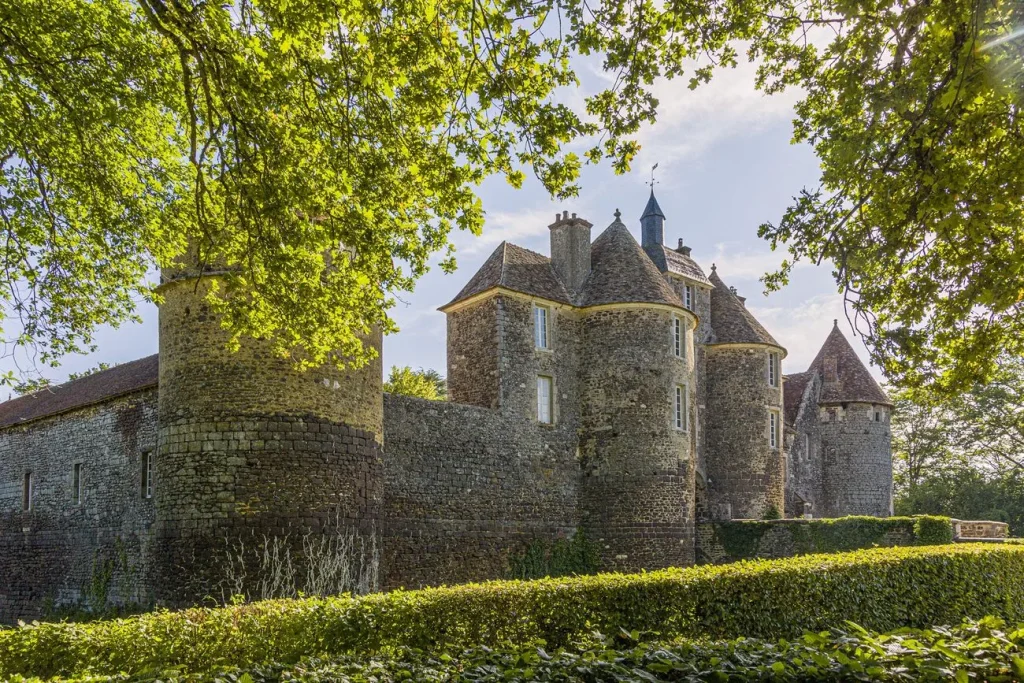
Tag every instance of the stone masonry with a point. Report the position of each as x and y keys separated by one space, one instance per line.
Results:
x=612 y=388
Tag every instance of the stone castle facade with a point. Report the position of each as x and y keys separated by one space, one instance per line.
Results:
x=612 y=388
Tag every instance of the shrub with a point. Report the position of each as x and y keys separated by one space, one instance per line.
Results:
x=883 y=588
x=974 y=650
x=742 y=539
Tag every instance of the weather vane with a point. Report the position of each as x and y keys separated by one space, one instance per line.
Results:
x=653 y=181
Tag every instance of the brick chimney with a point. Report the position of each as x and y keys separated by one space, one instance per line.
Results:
x=570 y=250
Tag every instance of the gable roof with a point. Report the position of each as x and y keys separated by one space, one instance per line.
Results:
x=672 y=261
x=844 y=377
x=100 y=386
x=517 y=269
x=793 y=388
x=731 y=322
x=621 y=272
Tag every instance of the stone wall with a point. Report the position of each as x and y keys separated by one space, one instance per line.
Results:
x=467 y=488
x=968 y=530
x=746 y=476
x=90 y=553
x=473 y=354
x=804 y=472
x=638 y=476
x=857 y=460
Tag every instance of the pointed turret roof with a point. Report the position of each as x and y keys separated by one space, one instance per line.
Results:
x=517 y=269
x=845 y=379
x=652 y=208
x=620 y=272
x=731 y=322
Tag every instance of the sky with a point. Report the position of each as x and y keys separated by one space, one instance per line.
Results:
x=725 y=165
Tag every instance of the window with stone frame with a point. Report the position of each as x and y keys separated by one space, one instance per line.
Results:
x=545 y=399
x=773 y=369
x=774 y=425
x=678 y=337
x=541 y=326
x=680 y=413
x=27 y=492
x=147 y=474
x=688 y=296
x=76 y=483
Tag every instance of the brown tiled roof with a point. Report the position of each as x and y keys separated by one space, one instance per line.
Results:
x=518 y=269
x=793 y=388
x=620 y=272
x=672 y=261
x=844 y=377
x=731 y=322
x=99 y=386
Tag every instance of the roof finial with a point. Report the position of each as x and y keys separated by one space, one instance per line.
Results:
x=835 y=322
x=653 y=181
x=618 y=214
x=714 y=267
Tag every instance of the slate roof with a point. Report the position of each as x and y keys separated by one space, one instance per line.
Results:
x=793 y=388
x=620 y=272
x=844 y=377
x=652 y=208
x=731 y=322
x=99 y=386
x=518 y=269
x=672 y=261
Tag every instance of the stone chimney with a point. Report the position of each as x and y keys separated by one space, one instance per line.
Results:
x=682 y=249
x=570 y=250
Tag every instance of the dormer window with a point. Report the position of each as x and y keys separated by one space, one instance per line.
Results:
x=773 y=369
x=678 y=337
x=688 y=296
x=541 y=315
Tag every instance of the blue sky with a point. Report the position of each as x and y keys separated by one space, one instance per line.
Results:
x=725 y=166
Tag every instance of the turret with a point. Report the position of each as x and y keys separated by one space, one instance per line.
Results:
x=637 y=420
x=253 y=450
x=652 y=224
x=744 y=458
x=853 y=414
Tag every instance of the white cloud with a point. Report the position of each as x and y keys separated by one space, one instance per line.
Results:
x=748 y=264
x=513 y=226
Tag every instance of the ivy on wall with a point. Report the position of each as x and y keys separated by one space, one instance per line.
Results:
x=542 y=558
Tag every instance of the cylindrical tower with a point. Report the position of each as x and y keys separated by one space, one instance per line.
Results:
x=857 y=461
x=253 y=454
x=745 y=461
x=637 y=411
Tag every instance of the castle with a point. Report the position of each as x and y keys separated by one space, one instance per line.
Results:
x=614 y=388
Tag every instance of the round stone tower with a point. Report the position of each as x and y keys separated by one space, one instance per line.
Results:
x=252 y=453
x=745 y=459
x=853 y=414
x=637 y=410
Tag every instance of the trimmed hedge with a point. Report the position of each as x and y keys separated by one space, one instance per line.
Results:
x=983 y=650
x=747 y=539
x=882 y=589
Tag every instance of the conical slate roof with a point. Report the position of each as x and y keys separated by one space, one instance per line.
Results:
x=652 y=208
x=99 y=386
x=517 y=269
x=620 y=272
x=844 y=377
x=731 y=322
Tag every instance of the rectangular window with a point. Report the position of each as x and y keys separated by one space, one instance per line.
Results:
x=678 y=338
x=688 y=296
x=545 y=402
x=878 y=416
x=147 y=474
x=540 y=327
x=76 y=484
x=26 y=492
x=773 y=369
x=773 y=427
x=681 y=414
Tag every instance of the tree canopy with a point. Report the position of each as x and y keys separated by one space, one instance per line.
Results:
x=318 y=154
x=420 y=383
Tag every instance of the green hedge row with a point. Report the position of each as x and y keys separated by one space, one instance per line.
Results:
x=883 y=588
x=984 y=650
x=746 y=539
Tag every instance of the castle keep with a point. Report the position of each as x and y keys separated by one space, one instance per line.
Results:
x=613 y=388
